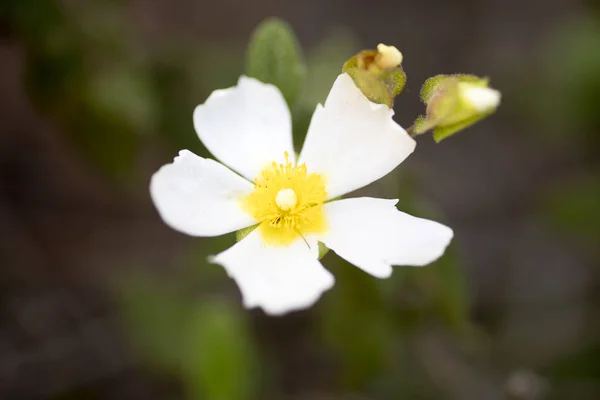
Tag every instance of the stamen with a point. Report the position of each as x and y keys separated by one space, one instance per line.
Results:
x=288 y=202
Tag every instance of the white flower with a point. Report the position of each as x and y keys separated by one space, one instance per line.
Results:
x=351 y=142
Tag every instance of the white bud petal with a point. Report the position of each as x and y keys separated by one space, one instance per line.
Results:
x=482 y=98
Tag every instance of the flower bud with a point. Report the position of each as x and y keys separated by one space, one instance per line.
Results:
x=378 y=73
x=455 y=102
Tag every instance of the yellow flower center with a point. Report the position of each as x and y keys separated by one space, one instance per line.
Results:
x=288 y=202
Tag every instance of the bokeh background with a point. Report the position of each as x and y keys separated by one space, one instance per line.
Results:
x=101 y=300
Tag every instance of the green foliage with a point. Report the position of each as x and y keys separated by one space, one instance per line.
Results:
x=206 y=343
x=357 y=325
x=175 y=105
x=155 y=318
x=448 y=289
x=573 y=207
x=441 y=287
x=274 y=56
x=564 y=96
x=125 y=93
x=101 y=108
x=219 y=361
x=435 y=293
x=582 y=364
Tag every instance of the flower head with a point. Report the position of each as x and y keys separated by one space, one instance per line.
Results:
x=350 y=143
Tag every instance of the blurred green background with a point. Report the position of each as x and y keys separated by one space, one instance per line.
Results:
x=101 y=300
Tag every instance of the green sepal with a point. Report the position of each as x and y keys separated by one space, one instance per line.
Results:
x=379 y=85
x=442 y=132
x=432 y=84
x=442 y=102
x=274 y=56
x=242 y=233
x=322 y=250
x=422 y=125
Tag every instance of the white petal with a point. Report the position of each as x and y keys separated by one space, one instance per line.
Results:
x=199 y=196
x=352 y=141
x=246 y=126
x=373 y=235
x=277 y=279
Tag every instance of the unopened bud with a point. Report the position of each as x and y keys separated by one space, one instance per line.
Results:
x=378 y=73
x=455 y=102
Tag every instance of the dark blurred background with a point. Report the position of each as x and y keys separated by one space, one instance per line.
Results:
x=101 y=300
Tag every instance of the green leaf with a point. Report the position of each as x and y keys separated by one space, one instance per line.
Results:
x=219 y=362
x=274 y=56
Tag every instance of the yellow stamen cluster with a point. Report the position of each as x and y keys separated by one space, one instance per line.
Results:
x=288 y=202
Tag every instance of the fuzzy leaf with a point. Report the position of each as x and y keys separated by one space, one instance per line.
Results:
x=274 y=56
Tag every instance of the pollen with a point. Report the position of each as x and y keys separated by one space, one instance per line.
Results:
x=288 y=202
